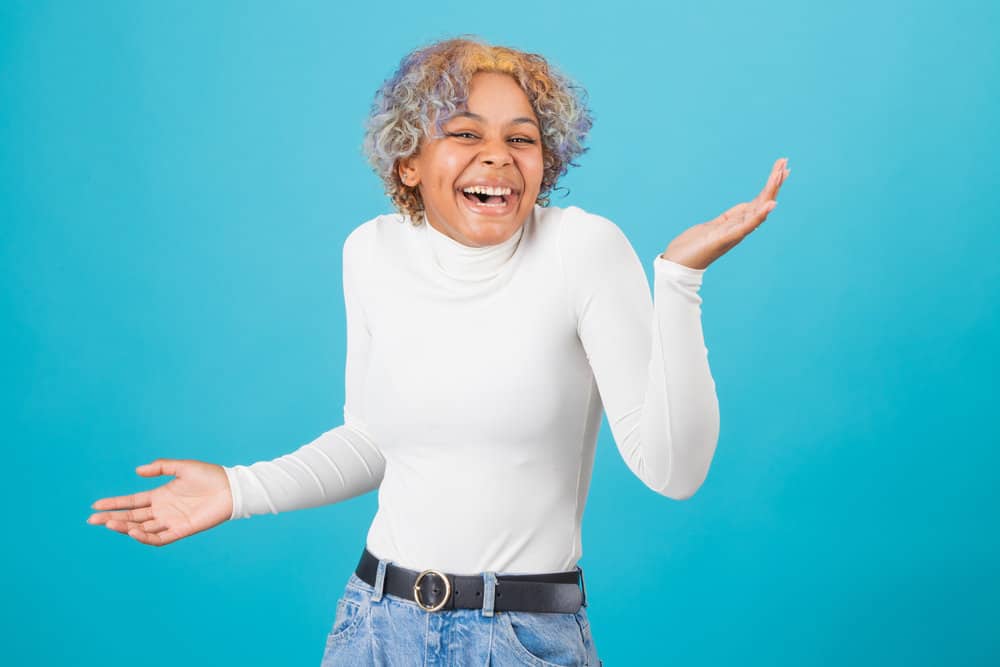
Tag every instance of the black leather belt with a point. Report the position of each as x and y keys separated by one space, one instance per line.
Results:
x=555 y=592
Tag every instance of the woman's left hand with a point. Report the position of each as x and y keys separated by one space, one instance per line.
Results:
x=704 y=243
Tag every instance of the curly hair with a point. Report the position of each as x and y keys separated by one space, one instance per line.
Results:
x=432 y=84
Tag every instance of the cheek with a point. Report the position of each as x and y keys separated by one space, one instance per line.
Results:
x=449 y=166
x=532 y=169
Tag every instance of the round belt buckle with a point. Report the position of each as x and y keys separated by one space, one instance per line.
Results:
x=416 y=590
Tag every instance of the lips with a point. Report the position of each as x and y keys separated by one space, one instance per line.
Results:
x=494 y=205
x=491 y=182
x=489 y=196
x=492 y=198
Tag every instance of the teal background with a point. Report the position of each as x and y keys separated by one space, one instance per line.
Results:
x=177 y=180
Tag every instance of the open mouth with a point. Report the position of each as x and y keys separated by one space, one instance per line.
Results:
x=489 y=199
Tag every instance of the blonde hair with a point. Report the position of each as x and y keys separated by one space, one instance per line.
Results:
x=432 y=83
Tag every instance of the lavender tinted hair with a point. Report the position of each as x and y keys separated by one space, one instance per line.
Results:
x=432 y=83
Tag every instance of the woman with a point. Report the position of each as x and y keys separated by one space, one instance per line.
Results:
x=486 y=333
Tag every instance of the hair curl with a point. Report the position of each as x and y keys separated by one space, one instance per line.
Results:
x=432 y=83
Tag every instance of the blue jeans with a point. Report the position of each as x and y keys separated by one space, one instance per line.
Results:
x=376 y=628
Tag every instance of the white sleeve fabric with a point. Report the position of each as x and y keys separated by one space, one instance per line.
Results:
x=343 y=462
x=649 y=360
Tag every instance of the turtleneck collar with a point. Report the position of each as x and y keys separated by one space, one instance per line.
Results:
x=470 y=263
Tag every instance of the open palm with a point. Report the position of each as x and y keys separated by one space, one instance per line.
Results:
x=702 y=244
x=198 y=498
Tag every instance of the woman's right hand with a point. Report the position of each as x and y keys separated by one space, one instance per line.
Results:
x=198 y=498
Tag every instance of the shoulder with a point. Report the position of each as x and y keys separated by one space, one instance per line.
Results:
x=361 y=240
x=584 y=232
x=586 y=220
x=361 y=235
x=594 y=253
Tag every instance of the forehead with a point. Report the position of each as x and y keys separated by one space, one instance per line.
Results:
x=498 y=97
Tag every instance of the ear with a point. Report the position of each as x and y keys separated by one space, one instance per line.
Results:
x=408 y=172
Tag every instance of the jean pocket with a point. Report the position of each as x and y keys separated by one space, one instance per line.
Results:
x=351 y=609
x=545 y=639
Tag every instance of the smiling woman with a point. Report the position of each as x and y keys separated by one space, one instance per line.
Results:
x=481 y=179
x=482 y=350
x=473 y=93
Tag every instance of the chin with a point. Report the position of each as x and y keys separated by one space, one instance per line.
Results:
x=478 y=229
x=491 y=232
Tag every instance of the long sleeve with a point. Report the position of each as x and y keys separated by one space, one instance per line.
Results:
x=649 y=359
x=343 y=462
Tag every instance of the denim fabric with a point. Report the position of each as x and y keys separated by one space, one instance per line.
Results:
x=372 y=627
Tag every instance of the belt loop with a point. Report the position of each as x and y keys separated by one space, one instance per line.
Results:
x=489 y=592
x=380 y=579
x=583 y=587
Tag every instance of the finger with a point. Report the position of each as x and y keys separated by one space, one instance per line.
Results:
x=120 y=526
x=158 y=467
x=151 y=526
x=152 y=539
x=131 y=501
x=117 y=526
x=98 y=519
x=143 y=514
x=774 y=180
x=782 y=175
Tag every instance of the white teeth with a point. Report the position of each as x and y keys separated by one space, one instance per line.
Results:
x=485 y=190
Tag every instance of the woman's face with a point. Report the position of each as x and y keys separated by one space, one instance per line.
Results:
x=493 y=147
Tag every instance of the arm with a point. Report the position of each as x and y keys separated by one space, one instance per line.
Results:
x=341 y=463
x=649 y=358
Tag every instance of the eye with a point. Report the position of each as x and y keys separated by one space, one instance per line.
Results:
x=462 y=135
x=523 y=140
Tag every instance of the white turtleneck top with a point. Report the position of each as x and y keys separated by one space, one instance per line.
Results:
x=475 y=382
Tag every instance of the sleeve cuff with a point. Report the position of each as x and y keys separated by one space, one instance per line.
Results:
x=679 y=272
x=234 y=490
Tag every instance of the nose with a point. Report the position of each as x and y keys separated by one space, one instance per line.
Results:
x=496 y=153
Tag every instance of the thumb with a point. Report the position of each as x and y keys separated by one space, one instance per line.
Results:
x=159 y=467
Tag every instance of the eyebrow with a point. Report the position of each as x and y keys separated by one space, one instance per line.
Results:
x=475 y=116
